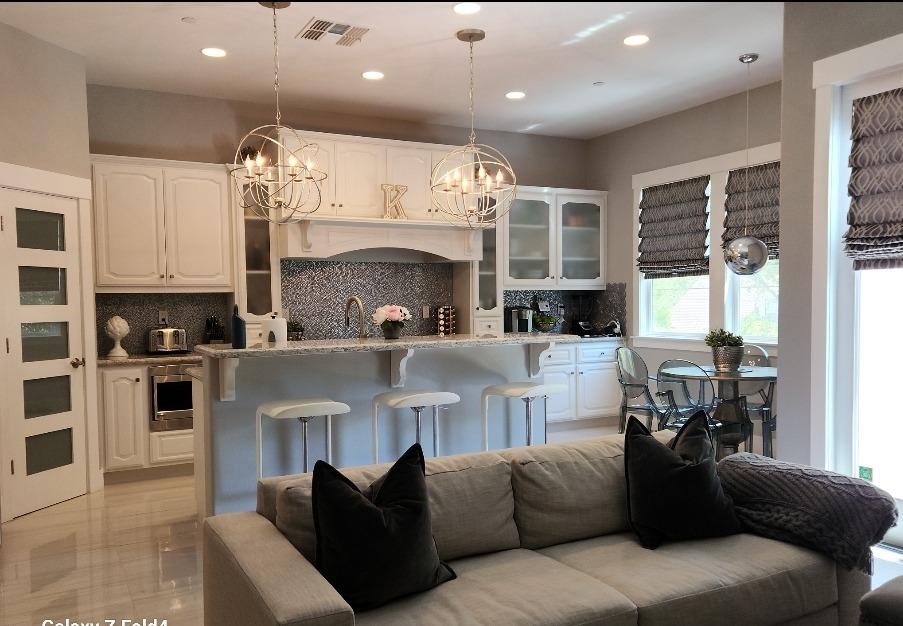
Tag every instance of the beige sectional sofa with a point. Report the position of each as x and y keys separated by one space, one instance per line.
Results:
x=536 y=536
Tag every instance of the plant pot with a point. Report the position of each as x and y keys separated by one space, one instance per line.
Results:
x=391 y=330
x=727 y=358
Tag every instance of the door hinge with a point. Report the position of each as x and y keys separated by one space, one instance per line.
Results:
x=12 y=466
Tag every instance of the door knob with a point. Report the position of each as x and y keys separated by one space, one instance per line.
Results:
x=76 y=363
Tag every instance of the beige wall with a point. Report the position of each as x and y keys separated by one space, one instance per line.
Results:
x=812 y=31
x=132 y=122
x=43 y=111
x=709 y=130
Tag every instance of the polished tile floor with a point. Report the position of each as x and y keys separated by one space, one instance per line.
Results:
x=132 y=550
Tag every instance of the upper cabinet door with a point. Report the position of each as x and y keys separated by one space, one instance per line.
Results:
x=412 y=168
x=128 y=213
x=446 y=166
x=360 y=171
x=198 y=233
x=322 y=156
x=530 y=242
x=581 y=258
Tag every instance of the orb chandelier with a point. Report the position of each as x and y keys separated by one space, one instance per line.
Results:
x=746 y=255
x=473 y=185
x=275 y=170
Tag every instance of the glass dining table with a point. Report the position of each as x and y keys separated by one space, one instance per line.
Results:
x=729 y=385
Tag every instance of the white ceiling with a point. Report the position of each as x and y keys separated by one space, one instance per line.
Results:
x=552 y=51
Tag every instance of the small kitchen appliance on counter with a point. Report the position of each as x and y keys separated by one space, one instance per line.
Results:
x=518 y=319
x=167 y=340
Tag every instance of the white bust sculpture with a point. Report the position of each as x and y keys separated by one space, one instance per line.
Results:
x=117 y=328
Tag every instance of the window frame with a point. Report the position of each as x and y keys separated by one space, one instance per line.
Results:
x=723 y=292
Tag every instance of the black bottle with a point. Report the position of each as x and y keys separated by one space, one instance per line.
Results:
x=239 y=330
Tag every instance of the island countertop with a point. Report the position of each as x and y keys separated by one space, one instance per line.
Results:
x=378 y=344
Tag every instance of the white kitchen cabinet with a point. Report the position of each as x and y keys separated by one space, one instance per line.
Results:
x=411 y=167
x=555 y=239
x=160 y=226
x=126 y=411
x=198 y=233
x=488 y=327
x=598 y=390
x=590 y=372
x=562 y=406
x=360 y=171
x=174 y=446
x=129 y=234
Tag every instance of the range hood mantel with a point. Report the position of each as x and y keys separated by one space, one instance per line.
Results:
x=324 y=237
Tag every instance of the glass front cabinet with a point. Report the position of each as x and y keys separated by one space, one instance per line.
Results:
x=554 y=239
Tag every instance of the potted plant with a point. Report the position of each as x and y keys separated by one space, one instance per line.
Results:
x=727 y=350
x=391 y=318
x=544 y=322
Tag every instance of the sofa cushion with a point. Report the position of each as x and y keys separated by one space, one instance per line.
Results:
x=511 y=587
x=565 y=492
x=737 y=580
x=471 y=504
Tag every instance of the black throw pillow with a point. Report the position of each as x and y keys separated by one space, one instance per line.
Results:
x=377 y=545
x=673 y=491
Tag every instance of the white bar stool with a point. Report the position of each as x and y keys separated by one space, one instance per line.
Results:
x=415 y=400
x=526 y=391
x=304 y=410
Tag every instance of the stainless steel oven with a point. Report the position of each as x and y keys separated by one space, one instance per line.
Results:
x=171 y=407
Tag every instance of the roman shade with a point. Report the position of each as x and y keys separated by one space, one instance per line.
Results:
x=752 y=205
x=874 y=238
x=674 y=229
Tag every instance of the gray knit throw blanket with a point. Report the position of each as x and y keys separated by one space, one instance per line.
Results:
x=825 y=511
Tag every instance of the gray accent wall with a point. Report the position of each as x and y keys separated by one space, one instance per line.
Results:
x=812 y=31
x=191 y=128
x=44 y=123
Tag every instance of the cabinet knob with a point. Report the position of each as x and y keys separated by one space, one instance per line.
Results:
x=172 y=275
x=332 y=204
x=162 y=276
x=137 y=380
x=341 y=205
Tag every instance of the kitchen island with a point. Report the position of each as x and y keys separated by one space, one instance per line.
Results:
x=236 y=381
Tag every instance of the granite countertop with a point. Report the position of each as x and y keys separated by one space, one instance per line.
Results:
x=378 y=344
x=147 y=359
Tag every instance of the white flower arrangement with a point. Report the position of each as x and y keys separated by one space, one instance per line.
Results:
x=391 y=313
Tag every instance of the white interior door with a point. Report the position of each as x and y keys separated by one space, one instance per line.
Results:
x=43 y=429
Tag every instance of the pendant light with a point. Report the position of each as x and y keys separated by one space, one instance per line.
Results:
x=275 y=171
x=474 y=185
x=746 y=255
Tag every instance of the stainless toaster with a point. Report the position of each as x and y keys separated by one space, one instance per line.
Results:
x=167 y=340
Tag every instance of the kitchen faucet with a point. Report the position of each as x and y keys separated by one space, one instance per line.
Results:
x=362 y=330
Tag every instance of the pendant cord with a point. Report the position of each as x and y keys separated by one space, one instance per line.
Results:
x=746 y=171
x=473 y=136
x=276 y=66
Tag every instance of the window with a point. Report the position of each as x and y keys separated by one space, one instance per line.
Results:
x=756 y=306
x=679 y=305
x=671 y=309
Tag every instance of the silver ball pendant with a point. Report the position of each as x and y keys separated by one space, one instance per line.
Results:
x=745 y=255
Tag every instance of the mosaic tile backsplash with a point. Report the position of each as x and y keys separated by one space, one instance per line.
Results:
x=186 y=310
x=315 y=292
x=598 y=307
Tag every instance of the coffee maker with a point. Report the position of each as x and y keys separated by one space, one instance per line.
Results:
x=518 y=319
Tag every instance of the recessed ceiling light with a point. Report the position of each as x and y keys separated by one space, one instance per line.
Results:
x=515 y=95
x=636 y=40
x=216 y=53
x=467 y=8
x=373 y=75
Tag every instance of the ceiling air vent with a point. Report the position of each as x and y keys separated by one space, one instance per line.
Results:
x=325 y=30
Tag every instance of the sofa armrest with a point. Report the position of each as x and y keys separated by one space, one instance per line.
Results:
x=254 y=576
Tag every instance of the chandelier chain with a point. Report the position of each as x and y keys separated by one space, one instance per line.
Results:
x=473 y=135
x=276 y=66
x=746 y=171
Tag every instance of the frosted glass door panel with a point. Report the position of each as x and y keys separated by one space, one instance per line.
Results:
x=42 y=285
x=528 y=239
x=40 y=230
x=45 y=341
x=488 y=277
x=47 y=396
x=581 y=232
x=48 y=451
